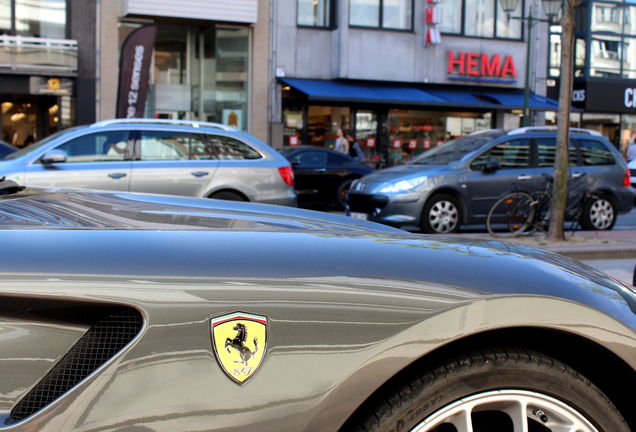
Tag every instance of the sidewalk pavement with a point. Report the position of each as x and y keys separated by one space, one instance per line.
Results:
x=580 y=245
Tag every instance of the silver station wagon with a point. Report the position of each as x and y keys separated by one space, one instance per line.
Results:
x=197 y=159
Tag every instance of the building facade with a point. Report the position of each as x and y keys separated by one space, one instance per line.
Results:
x=47 y=67
x=605 y=68
x=209 y=61
x=404 y=75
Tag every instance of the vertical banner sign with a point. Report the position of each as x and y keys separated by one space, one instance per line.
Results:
x=134 y=68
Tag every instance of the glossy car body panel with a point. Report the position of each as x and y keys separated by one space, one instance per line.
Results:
x=348 y=306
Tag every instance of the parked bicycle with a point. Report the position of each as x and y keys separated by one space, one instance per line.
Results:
x=522 y=211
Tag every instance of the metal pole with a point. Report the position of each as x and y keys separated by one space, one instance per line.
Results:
x=526 y=90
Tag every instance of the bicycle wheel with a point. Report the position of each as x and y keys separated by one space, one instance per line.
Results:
x=511 y=215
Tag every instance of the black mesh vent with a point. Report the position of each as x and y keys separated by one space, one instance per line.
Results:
x=101 y=342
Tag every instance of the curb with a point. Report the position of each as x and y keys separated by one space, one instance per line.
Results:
x=598 y=254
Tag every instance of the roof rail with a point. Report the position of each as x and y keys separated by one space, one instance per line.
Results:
x=551 y=128
x=193 y=123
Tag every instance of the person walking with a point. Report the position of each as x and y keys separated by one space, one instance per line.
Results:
x=342 y=145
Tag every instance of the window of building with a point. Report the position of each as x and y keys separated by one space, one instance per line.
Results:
x=387 y=14
x=33 y=18
x=315 y=13
x=201 y=73
x=480 y=18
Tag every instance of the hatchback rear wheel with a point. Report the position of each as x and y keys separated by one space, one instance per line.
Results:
x=599 y=214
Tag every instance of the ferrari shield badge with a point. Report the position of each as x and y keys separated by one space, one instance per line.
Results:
x=239 y=341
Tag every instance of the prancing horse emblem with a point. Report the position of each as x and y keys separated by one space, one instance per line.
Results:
x=239 y=341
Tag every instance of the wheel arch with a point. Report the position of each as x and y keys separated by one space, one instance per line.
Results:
x=602 y=367
x=209 y=194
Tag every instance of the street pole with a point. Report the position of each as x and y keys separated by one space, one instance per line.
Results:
x=526 y=89
x=560 y=186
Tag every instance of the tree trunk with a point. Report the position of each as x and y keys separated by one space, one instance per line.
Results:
x=560 y=186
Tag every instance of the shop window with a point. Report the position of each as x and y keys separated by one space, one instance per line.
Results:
x=34 y=18
x=387 y=14
x=201 y=74
x=316 y=13
x=480 y=18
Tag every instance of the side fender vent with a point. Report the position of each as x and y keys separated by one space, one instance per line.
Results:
x=99 y=344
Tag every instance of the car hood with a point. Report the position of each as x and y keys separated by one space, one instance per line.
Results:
x=37 y=208
x=404 y=171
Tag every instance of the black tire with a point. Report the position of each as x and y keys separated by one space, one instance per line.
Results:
x=227 y=196
x=441 y=215
x=511 y=215
x=599 y=213
x=341 y=193
x=456 y=382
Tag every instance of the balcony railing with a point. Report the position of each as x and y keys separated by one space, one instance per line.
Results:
x=30 y=53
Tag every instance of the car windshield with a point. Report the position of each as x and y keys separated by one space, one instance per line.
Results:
x=455 y=149
x=28 y=149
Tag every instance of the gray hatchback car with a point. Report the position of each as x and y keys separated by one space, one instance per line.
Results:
x=171 y=157
x=457 y=183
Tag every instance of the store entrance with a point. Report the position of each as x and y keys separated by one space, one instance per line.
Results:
x=25 y=121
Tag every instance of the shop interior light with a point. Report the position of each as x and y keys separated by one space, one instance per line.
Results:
x=6 y=106
x=552 y=9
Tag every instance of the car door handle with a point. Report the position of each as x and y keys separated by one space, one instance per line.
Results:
x=577 y=175
x=116 y=175
x=199 y=173
x=524 y=177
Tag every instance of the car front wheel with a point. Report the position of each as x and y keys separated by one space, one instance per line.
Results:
x=497 y=389
x=441 y=215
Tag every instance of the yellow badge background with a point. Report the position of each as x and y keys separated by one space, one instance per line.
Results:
x=231 y=361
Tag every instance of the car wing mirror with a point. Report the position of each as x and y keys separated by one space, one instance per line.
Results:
x=54 y=156
x=491 y=166
x=295 y=164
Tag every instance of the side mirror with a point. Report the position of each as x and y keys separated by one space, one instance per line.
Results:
x=54 y=156
x=295 y=164
x=491 y=166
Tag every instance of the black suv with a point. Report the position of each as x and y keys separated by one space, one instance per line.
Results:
x=458 y=182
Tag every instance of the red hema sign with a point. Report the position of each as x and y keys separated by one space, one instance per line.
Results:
x=477 y=65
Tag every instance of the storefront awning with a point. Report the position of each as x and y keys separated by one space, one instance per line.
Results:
x=383 y=93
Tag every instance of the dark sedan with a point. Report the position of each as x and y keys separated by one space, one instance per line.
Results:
x=5 y=149
x=125 y=312
x=323 y=176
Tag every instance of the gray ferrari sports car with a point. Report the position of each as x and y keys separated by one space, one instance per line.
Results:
x=124 y=312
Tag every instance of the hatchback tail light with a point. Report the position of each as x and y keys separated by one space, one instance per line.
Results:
x=287 y=174
x=627 y=180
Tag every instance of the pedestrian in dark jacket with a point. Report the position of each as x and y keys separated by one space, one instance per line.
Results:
x=355 y=151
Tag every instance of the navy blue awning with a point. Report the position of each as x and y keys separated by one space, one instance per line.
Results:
x=383 y=93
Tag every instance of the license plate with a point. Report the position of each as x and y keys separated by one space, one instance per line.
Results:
x=360 y=216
